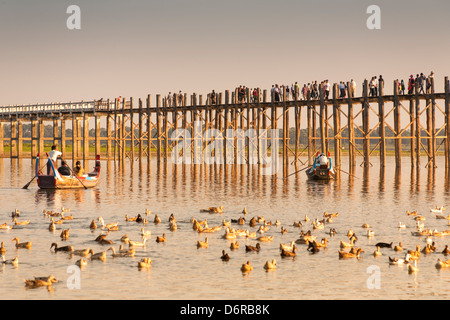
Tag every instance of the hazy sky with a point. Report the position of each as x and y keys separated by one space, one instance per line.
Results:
x=137 y=47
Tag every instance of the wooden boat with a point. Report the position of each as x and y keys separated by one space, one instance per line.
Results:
x=322 y=169
x=58 y=181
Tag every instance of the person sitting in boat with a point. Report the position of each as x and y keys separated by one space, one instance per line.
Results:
x=323 y=161
x=64 y=170
x=78 y=170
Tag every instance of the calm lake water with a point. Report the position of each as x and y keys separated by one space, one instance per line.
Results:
x=181 y=271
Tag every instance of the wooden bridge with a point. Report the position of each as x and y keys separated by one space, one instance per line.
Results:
x=134 y=129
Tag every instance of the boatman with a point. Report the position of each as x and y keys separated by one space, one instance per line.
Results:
x=53 y=155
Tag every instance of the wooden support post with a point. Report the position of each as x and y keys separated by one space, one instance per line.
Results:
x=416 y=95
x=322 y=118
x=381 y=125
x=397 y=128
x=447 y=122
x=433 y=125
x=108 y=131
x=13 y=140
x=298 y=120
x=149 y=131
x=41 y=137
x=63 y=136
x=132 y=136
x=56 y=137
x=285 y=135
x=2 y=137
x=19 y=139
x=166 y=131
x=226 y=124
x=85 y=137
x=309 y=114
x=158 y=128
x=429 y=108
x=337 y=127
x=97 y=135
x=412 y=130
x=366 y=129
x=351 y=134
x=34 y=139
x=123 y=142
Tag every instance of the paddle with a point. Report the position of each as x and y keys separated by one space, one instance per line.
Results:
x=295 y=172
x=347 y=173
x=75 y=175
x=28 y=184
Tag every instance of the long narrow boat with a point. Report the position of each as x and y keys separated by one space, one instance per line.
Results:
x=58 y=181
x=322 y=169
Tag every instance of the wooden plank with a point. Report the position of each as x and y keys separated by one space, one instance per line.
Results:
x=381 y=127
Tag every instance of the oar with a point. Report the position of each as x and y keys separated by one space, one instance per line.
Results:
x=347 y=173
x=295 y=172
x=75 y=175
x=28 y=184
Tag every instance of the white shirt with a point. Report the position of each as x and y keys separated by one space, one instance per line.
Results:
x=54 y=154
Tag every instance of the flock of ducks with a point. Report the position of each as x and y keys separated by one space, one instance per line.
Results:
x=234 y=230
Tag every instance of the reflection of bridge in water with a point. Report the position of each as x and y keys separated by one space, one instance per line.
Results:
x=363 y=127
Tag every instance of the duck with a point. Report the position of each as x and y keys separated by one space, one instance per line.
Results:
x=226 y=223
x=305 y=238
x=344 y=244
x=62 y=249
x=288 y=254
x=81 y=263
x=355 y=250
x=297 y=224
x=145 y=233
x=213 y=209
x=98 y=256
x=24 y=245
x=173 y=226
x=370 y=233
x=318 y=224
x=241 y=221
x=262 y=229
x=125 y=239
x=113 y=226
x=65 y=234
x=270 y=265
x=15 y=213
x=442 y=264
x=384 y=245
x=13 y=262
x=265 y=238
x=157 y=219
x=446 y=251
x=23 y=223
x=377 y=252
x=313 y=248
x=322 y=244
x=139 y=219
x=2 y=249
x=234 y=245
x=81 y=252
x=398 y=261
x=288 y=247
x=128 y=219
x=4 y=226
x=332 y=232
x=413 y=268
x=52 y=226
x=57 y=221
x=414 y=254
x=427 y=249
x=145 y=263
x=129 y=250
x=256 y=248
x=225 y=256
x=345 y=255
x=246 y=267
x=401 y=225
x=412 y=213
x=283 y=230
x=437 y=209
x=147 y=212
x=244 y=212
x=203 y=244
x=252 y=222
x=161 y=239
x=350 y=233
x=398 y=247
x=101 y=239
x=132 y=243
x=420 y=218
x=365 y=226
x=306 y=219
x=64 y=217
x=40 y=282
x=121 y=254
